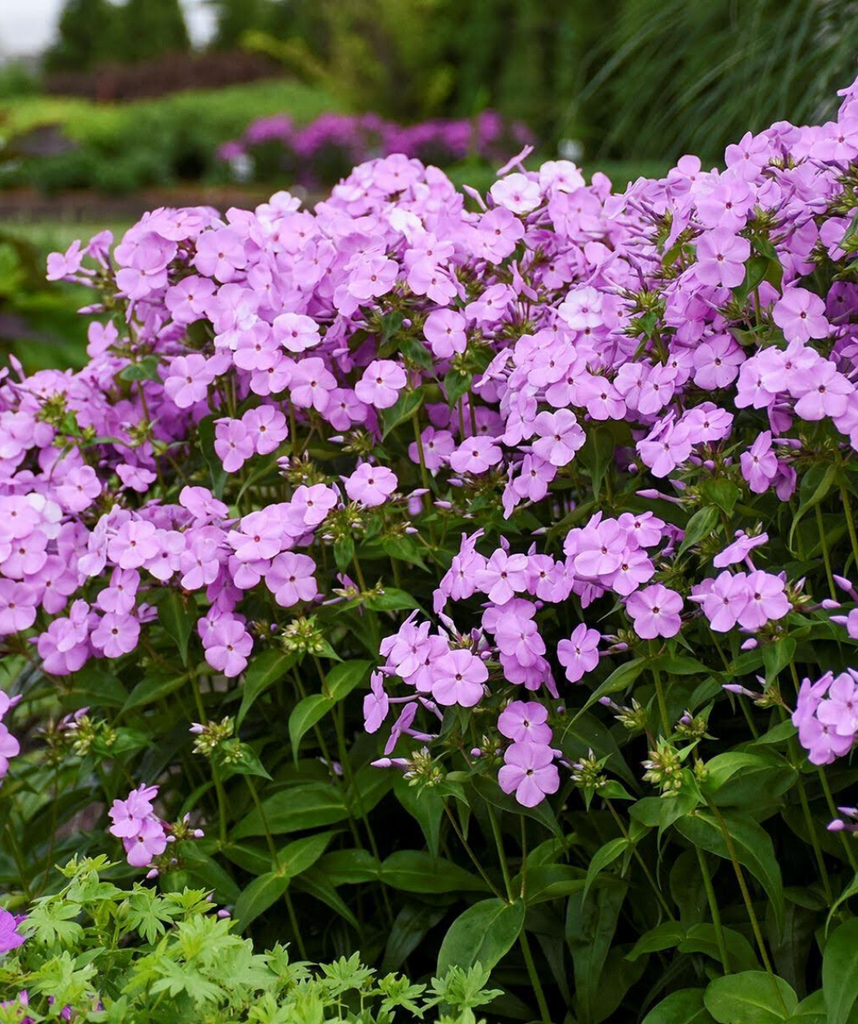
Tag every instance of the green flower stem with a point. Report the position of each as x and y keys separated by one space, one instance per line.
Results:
x=826 y=555
x=272 y=849
x=746 y=897
x=219 y=789
x=496 y=832
x=329 y=761
x=850 y=523
x=832 y=807
x=474 y=860
x=418 y=440
x=713 y=909
x=642 y=863
x=662 y=701
x=532 y=972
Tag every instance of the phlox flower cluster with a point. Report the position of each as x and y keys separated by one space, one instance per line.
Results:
x=142 y=832
x=268 y=390
x=826 y=716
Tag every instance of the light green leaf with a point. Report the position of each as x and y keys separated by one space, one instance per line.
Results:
x=752 y=997
x=483 y=934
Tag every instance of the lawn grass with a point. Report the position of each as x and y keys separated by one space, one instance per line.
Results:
x=231 y=106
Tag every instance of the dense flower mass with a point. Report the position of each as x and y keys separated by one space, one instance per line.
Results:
x=547 y=424
x=322 y=151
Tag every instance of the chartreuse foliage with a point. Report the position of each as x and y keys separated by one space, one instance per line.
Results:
x=105 y=954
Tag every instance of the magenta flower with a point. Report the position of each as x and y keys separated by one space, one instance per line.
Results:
x=381 y=383
x=188 y=380
x=458 y=678
x=760 y=464
x=723 y=599
x=721 y=257
x=517 y=193
x=580 y=653
x=529 y=772
x=296 y=332
x=290 y=579
x=525 y=722
x=445 y=331
x=655 y=611
x=767 y=600
x=371 y=485
x=227 y=646
x=560 y=436
x=475 y=455
x=9 y=747
x=375 y=704
x=801 y=315
x=503 y=576
x=234 y=444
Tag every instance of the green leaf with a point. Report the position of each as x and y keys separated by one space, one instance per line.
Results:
x=406 y=406
x=417 y=871
x=176 y=618
x=755 y=273
x=604 y=856
x=296 y=857
x=263 y=671
x=753 y=846
x=700 y=525
x=305 y=715
x=752 y=997
x=294 y=808
x=391 y=600
x=258 y=896
x=682 y=1007
x=667 y=935
x=549 y=882
x=702 y=938
x=597 y=454
x=350 y=867
x=742 y=779
x=815 y=485
x=152 y=689
x=620 y=679
x=344 y=677
x=590 y=926
x=425 y=806
x=721 y=492
x=840 y=972
x=456 y=384
x=146 y=369
x=483 y=934
x=319 y=887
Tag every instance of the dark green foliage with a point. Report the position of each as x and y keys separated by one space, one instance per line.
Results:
x=84 y=36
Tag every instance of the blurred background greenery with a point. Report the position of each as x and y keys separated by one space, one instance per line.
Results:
x=123 y=108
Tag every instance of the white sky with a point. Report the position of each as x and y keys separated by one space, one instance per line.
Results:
x=28 y=26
